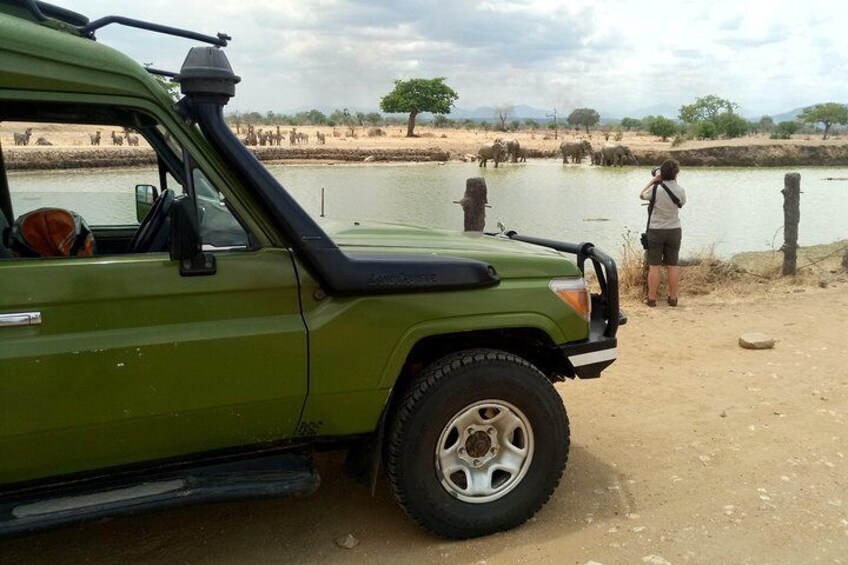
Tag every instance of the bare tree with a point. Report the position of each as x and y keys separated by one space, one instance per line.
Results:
x=556 y=127
x=502 y=114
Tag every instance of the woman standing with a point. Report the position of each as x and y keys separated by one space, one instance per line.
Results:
x=665 y=198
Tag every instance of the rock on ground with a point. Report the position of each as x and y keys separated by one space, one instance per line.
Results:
x=756 y=341
x=347 y=541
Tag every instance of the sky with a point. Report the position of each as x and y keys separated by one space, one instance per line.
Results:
x=620 y=57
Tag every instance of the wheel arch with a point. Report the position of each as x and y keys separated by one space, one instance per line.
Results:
x=497 y=331
x=532 y=343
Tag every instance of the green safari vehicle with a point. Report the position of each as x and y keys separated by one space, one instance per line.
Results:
x=207 y=351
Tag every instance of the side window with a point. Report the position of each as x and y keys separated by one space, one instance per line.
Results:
x=218 y=227
x=106 y=189
x=43 y=170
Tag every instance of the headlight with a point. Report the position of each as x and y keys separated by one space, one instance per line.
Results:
x=574 y=293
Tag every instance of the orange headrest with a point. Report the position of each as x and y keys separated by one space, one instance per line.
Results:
x=51 y=232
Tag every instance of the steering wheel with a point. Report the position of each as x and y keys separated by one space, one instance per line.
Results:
x=152 y=234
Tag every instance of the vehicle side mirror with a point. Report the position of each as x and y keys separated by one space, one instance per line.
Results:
x=185 y=241
x=145 y=196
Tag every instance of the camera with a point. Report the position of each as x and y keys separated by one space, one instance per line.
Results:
x=655 y=170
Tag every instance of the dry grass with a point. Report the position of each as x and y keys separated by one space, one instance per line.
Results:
x=749 y=274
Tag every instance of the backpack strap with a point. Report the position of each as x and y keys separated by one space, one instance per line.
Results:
x=671 y=195
x=651 y=204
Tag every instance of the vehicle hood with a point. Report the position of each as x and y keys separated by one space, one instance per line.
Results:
x=511 y=259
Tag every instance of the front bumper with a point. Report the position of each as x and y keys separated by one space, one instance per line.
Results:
x=588 y=358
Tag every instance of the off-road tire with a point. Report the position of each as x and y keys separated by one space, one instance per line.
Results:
x=438 y=393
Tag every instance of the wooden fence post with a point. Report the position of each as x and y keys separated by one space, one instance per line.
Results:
x=791 y=217
x=474 y=204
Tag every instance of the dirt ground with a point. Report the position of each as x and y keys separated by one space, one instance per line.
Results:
x=688 y=450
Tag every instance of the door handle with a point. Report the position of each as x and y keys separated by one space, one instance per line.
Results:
x=20 y=319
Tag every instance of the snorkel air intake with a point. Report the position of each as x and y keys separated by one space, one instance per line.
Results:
x=208 y=82
x=206 y=72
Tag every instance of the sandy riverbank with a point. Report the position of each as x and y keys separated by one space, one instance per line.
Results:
x=72 y=149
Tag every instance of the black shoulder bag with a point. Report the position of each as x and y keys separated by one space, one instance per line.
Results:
x=644 y=237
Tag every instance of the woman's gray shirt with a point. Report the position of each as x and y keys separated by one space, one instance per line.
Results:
x=666 y=213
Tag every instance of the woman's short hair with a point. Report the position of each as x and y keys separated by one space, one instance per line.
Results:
x=669 y=169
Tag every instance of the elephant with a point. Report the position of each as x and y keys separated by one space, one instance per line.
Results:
x=596 y=157
x=512 y=147
x=617 y=156
x=495 y=151
x=522 y=155
x=575 y=150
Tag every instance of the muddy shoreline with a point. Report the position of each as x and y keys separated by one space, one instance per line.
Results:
x=31 y=158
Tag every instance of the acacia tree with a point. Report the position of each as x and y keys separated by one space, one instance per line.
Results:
x=373 y=118
x=706 y=109
x=584 y=117
x=419 y=95
x=766 y=124
x=631 y=123
x=712 y=116
x=826 y=114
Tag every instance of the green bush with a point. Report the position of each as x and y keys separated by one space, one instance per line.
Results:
x=441 y=121
x=705 y=130
x=661 y=127
x=784 y=130
x=731 y=125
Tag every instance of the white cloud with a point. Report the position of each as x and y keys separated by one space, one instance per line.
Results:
x=615 y=55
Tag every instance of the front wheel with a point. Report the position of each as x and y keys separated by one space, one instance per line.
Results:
x=478 y=444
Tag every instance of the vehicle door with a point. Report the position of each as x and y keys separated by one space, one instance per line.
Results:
x=117 y=359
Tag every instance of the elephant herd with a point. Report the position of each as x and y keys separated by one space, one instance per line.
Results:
x=500 y=151
x=607 y=156
x=507 y=149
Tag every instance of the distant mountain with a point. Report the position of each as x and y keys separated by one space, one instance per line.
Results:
x=487 y=113
x=790 y=116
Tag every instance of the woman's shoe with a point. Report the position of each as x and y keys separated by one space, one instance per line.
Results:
x=651 y=303
x=672 y=301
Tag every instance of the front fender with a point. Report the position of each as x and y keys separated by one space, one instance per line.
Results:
x=443 y=326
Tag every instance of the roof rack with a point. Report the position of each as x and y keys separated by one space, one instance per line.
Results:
x=44 y=11
x=170 y=74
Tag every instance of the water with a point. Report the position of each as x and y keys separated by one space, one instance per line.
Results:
x=731 y=210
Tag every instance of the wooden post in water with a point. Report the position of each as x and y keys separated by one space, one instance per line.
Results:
x=474 y=204
x=322 y=201
x=791 y=217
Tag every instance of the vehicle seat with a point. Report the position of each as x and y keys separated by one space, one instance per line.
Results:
x=51 y=232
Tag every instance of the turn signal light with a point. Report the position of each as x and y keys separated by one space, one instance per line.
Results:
x=574 y=293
